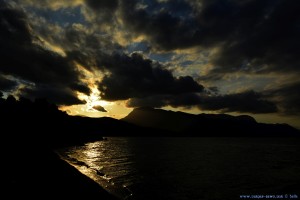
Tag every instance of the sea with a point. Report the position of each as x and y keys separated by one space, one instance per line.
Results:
x=190 y=168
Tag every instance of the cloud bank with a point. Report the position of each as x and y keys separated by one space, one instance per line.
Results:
x=48 y=48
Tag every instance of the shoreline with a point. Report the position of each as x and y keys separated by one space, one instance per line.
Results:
x=41 y=173
x=99 y=177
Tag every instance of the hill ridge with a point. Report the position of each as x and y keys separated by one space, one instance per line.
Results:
x=206 y=124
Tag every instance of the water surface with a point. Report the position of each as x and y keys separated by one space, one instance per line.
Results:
x=190 y=168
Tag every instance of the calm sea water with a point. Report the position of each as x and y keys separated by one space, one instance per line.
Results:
x=190 y=168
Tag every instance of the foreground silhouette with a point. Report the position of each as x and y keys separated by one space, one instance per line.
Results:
x=29 y=167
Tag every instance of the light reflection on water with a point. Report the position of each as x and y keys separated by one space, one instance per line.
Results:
x=188 y=168
x=105 y=162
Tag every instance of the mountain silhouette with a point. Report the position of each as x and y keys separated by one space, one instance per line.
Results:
x=184 y=124
x=40 y=123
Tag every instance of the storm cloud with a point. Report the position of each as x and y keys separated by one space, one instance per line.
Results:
x=247 y=102
x=109 y=5
x=251 y=36
x=135 y=76
x=59 y=95
x=6 y=84
x=169 y=25
x=24 y=57
x=57 y=49
x=287 y=98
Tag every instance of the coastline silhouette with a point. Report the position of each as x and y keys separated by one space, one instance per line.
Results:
x=39 y=121
x=31 y=130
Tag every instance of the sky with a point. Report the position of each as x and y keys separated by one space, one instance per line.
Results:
x=106 y=57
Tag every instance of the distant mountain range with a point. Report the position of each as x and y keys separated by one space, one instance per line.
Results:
x=184 y=124
x=38 y=122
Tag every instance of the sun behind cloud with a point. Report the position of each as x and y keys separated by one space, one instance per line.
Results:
x=93 y=103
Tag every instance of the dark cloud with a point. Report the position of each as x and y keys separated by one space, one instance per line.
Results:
x=266 y=42
x=7 y=84
x=13 y=24
x=99 y=108
x=287 y=98
x=59 y=96
x=252 y=36
x=23 y=56
x=157 y=101
x=86 y=47
x=81 y=88
x=104 y=12
x=82 y=58
x=186 y=100
x=97 y=5
x=135 y=76
x=248 y=37
x=168 y=25
x=248 y=102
